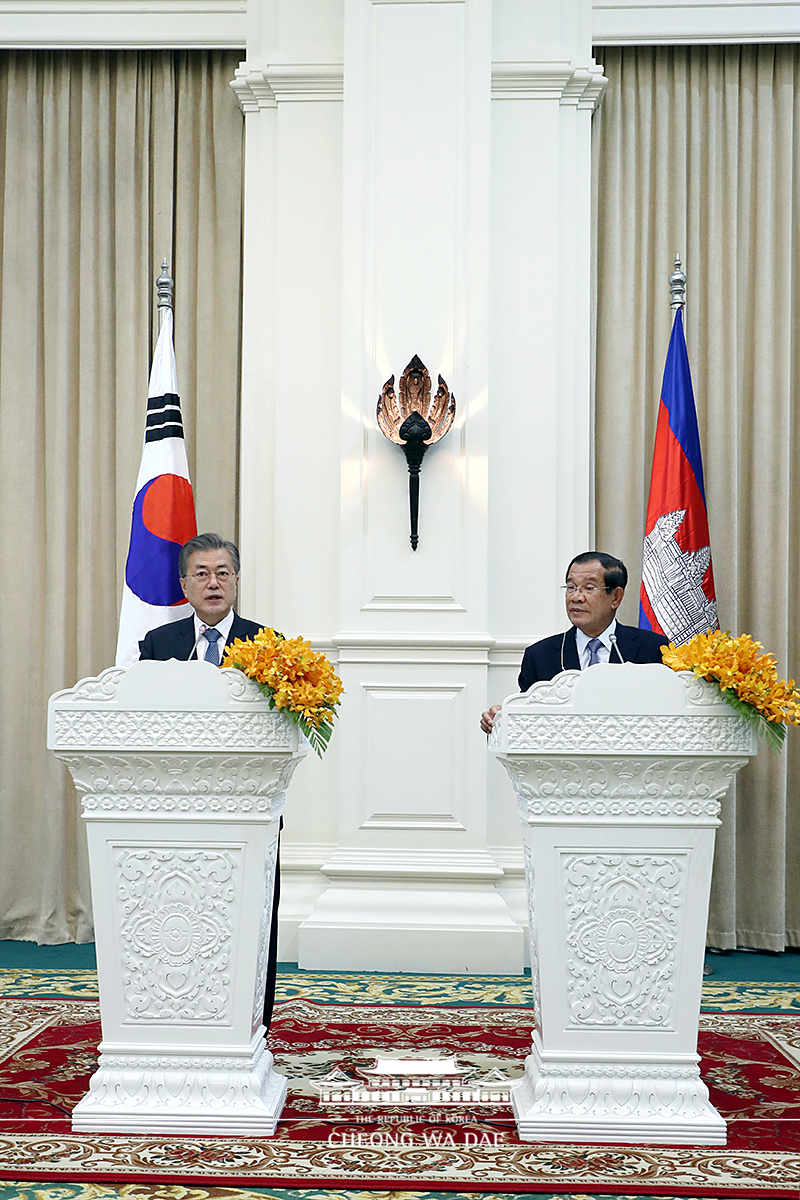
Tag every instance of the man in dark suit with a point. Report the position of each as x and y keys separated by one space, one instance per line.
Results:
x=594 y=588
x=209 y=572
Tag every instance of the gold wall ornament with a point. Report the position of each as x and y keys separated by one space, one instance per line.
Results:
x=414 y=421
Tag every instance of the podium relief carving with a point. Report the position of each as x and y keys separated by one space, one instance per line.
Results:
x=623 y=915
x=609 y=1097
x=598 y=787
x=142 y=730
x=533 y=940
x=104 y=687
x=176 y=928
x=190 y=784
x=628 y=734
x=554 y=691
x=263 y=941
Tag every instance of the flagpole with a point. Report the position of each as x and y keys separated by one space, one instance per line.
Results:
x=677 y=286
x=164 y=287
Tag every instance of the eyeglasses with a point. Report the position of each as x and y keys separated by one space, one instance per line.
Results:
x=588 y=591
x=222 y=576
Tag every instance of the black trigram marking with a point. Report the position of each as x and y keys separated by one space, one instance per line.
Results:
x=164 y=418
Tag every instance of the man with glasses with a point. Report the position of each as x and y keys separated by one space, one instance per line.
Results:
x=209 y=571
x=593 y=591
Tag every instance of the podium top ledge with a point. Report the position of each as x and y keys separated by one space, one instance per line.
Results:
x=623 y=689
x=153 y=686
x=165 y=706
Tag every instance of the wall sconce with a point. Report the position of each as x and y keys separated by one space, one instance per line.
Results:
x=414 y=421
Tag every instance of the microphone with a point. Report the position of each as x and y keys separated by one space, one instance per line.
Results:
x=615 y=644
x=193 y=653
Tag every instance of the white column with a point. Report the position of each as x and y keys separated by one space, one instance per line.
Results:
x=545 y=86
x=290 y=89
x=417 y=183
x=412 y=881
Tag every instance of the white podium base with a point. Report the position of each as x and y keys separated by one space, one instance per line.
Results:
x=606 y=1103
x=148 y=1094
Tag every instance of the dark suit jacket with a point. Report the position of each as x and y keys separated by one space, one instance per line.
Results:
x=543 y=659
x=176 y=640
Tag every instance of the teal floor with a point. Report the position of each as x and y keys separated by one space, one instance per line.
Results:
x=745 y=966
x=732 y=966
x=28 y=954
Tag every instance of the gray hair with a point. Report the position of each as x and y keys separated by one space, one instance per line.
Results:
x=206 y=541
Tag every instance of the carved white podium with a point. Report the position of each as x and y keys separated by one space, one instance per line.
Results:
x=182 y=769
x=618 y=771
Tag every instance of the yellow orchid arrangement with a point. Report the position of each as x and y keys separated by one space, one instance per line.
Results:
x=295 y=679
x=747 y=679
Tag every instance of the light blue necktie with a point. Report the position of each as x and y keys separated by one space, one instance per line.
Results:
x=593 y=644
x=212 y=636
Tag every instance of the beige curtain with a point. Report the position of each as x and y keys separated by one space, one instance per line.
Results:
x=697 y=149
x=110 y=160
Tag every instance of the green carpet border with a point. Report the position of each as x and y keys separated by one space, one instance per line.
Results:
x=352 y=987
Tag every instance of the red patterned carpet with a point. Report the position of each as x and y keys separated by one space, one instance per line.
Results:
x=751 y=1063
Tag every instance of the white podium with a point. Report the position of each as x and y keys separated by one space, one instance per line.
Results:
x=182 y=769
x=618 y=772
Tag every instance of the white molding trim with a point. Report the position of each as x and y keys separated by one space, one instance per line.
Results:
x=412 y=604
x=267 y=86
x=301 y=857
x=579 y=86
x=209 y=24
x=293 y=82
x=468 y=866
x=252 y=90
x=510 y=859
x=123 y=24
x=648 y=22
x=388 y=647
x=508 y=651
x=471 y=649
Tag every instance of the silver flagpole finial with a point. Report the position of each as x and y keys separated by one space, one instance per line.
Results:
x=164 y=286
x=677 y=286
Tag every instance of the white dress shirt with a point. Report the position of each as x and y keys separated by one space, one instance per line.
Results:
x=603 y=654
x=224 y=626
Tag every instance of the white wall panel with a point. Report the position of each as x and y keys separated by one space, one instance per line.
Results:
x=416 y=178
x=432 y=578
x=412 y=725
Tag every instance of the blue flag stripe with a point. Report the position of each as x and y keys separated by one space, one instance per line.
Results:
x=678 y=398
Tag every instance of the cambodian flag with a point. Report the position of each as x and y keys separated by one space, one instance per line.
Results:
x=677 y=597
x=163 y=511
